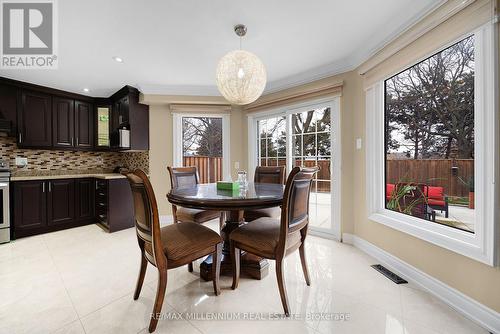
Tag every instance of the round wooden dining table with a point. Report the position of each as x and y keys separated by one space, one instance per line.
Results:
x=233 y=203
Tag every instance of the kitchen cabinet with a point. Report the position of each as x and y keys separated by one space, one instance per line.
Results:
x=8 y=108
x=35 y=120
x=114 y=204
x=29 y=207
x=127 y=113
x=73 y=124
x=63 y=112
x=43 y=206
x=47 y=118
x=60 y=201
x=84 y=125
x=84 y=191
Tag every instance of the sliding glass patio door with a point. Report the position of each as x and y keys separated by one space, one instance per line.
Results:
x=306 y=136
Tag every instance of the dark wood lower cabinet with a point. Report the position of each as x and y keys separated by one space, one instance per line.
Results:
x=49 y=205
x=85 y=207
x=29 y=209
x=114 y=204
x=60 y=202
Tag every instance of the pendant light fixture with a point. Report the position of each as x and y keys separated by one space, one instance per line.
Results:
x=241 y=75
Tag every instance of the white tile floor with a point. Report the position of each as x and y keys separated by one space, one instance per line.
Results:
x=81 y=281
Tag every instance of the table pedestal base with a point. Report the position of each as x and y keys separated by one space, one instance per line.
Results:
x=251 y=265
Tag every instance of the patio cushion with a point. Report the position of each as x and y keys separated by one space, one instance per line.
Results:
x=436 y=193
x=389 y=189
x=435 y=202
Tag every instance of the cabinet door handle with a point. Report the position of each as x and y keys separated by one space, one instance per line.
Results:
x=50 y=186
x=43 y=187
x=76 y=141
x=72 y=141
x=20 y=137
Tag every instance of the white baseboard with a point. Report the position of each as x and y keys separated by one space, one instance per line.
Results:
x=470 y=308
x=347 y=238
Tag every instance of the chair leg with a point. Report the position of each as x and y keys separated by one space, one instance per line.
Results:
x=160 y=295
x=140 y=279
x=302 y=252
x=216 y=259
x=190 y=267
x=235 y=259
x=281 y=285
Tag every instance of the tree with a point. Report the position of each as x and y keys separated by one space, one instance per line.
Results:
x=202 y=136
x=430 y=106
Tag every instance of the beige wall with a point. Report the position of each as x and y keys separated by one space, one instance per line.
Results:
x=161 y=149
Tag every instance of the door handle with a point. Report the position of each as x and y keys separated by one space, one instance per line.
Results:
x=43 y=187
x=72 y=141
x=50 y=186
x=76 y=141
x=20 y=137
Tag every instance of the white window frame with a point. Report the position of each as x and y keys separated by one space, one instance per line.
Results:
x=481 y=244
x=336 y=152
x=226 y=137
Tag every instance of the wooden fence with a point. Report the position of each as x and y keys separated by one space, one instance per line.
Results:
x=209 y=168
x=323 y=174
x=435 y=172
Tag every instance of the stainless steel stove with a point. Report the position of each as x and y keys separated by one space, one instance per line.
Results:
x=4 y=201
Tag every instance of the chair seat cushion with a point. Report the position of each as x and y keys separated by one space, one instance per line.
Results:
x=262 y=234
x=182 y=239
x=187 y=215
x=259 y=213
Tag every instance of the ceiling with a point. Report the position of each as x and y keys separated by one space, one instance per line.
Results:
x=172 y=47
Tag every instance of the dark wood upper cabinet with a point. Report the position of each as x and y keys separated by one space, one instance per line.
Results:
x=85 y=203
x=43 y=117
x=35 y=120
x=29 y=207
x=84 y=125
x=60 y=201
x=63 y=122
x=129 y=114
x=8 y=106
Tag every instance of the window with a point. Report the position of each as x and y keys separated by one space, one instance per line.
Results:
x=429 y=132
x=272 y=141
x=431 y=150
x=202 y=140
x=202 y=146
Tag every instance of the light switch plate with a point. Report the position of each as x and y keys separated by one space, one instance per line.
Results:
x=21 y=162
x=358 y=143
x=236 y=165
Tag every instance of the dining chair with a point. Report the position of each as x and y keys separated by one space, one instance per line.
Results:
x=170 y=246
x=186 y=177
x=266 y=174
x=276 y=238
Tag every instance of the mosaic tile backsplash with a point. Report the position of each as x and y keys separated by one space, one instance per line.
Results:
x=59 y=162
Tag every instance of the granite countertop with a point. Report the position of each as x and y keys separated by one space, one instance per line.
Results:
x=68 y=175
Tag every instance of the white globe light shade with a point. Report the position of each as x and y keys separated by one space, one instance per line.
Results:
x=241 y=77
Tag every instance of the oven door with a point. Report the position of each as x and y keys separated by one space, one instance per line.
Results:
x=4 y=212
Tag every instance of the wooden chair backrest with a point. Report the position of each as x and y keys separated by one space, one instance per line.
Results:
x=183 y=177
x=147 y=223
x=295 y=209
x=270 y=174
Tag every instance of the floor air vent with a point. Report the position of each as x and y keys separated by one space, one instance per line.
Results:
x=389 y=274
